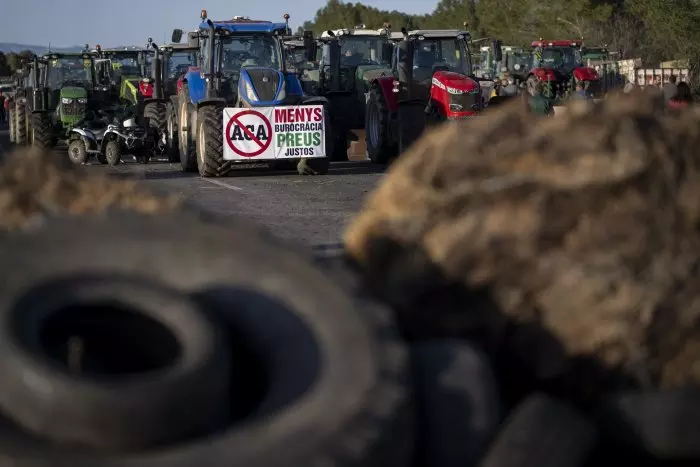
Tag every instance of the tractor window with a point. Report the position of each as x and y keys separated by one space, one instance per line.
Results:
x=558 y=57
x=249 y=50
x=361 y=50
x=431 y=55
x=65 y=71
x=179 y=62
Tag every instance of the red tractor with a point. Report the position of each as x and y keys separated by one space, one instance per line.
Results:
x=431 y=81
x=560 y=65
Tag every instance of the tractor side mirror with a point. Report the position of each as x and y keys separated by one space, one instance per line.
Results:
x=193 y=39
x=177 y=36
x=387 y=51
x=496 y=50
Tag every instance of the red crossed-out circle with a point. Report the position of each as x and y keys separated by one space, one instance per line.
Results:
x=235 y=121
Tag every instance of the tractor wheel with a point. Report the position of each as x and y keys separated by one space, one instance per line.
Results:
x=20 y=123
x=171 y=131
x=42 y=134
x=101 y=159
x=377 y=132
x=155 y=114
x=210 y=144
x=320 y=165
x=186 y=148
x=11 y=120
x=77 y=153
x=113 y=153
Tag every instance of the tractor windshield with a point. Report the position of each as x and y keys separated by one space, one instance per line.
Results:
x=431 y=55
x=361 y=50
x=566 y=58
x=517 y=62
x=69 y=71
x=179 y=62
x=296 y=58
x=248 y=51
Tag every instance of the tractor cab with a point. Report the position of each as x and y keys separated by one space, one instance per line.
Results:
x=559 y=63
x=431 y=81
x=514 y=60
x=177 y=60
x=127 y=73
x=66 y=82
x=296 y=55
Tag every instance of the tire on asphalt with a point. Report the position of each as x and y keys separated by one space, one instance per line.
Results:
x=113 y=152
x=156 y=116
x=42 y=132
x=335 y=389
x=20 y=123
x=457 y=401
x=186 y=147
x=77 y=152
x=380 y=148
x=210 y=141
x=120 y=356
x=663 y=425
x=543 y=432
x=173 y=151
x=319 y=165
x=11 y=120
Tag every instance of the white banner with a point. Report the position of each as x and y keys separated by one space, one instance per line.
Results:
x=268 y=133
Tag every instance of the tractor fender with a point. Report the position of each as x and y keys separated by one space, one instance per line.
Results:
x=586 y=74
x=386 y=84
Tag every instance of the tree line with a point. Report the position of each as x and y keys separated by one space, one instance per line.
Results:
x=11 y=62
x=654 y=30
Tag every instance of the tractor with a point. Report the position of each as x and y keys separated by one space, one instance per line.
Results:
x=59 y=96
x=350 y=59
x=244 y=107
x=431 y=82
x=126 y=72
x=559 y=64
x=17 y=105
x=514 y=60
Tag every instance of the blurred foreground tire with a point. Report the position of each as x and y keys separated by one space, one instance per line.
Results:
x=543 y=432
x=457 y=400
x=317 y=379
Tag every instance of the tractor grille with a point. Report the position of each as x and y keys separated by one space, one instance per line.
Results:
x=265 y=83
x=74 y=109
x=467 y=102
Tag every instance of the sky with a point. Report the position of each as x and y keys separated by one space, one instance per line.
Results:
x=132 y=22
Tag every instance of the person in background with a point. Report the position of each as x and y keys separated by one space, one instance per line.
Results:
x=537 y=103
x=580 y=92
x=509 y=89
x=682 y=98
x=3 y=102
x=670 y=88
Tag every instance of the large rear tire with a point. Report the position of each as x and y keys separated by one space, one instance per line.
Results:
x=186 y=147
x=172 y=133
x=156 y=116
x=42 y=134
x=11 y=120
x=20 y=123
x=210 y=144
x=380 y=147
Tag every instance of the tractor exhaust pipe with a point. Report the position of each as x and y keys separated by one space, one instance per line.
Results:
x=210 y=47
x=157 y=73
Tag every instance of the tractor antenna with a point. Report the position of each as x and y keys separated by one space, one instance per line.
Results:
x=286 y=23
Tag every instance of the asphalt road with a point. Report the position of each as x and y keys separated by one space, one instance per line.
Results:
x=311 y=210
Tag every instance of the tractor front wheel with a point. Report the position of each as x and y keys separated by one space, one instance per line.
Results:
x=172 y=136
x=20 y=123
x=380 y=147
x=42 y=132
x=156 y=117
x=188 y=156
x=11 y=120
x=210 y=144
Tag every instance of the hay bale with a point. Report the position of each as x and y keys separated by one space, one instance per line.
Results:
x=582 y=228
x=34 y=184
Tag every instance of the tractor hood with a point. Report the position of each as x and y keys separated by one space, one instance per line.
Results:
x=262 y=86
x=585 y=74
x=73 y=92
x=455 y=81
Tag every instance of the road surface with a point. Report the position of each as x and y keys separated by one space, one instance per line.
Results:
x=311 y=210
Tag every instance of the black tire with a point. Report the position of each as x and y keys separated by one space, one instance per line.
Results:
x=77 y=152
x=320 y=165
x=113 y=152
x=186 y=147
x=101 y=158
x=42 y=132
x=336 y=391
x=156 y=116
x=340 y=147
x=543 y=432
x=171 y=131
x=210 y=144
x=21 y=123
x=458 y=405
x=662 y=425
x=380 y=147
x=11 y=120
x=176 y=354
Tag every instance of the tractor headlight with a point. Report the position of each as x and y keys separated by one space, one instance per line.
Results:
x=82 y=100
x=66 y=100
x=250 y=94
x=283 y=92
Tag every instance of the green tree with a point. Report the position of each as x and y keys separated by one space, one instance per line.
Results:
x=5 y=69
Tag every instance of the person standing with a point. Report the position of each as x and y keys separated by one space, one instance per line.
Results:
x=671 y=88
x=3 y=100
x=682 y=98
x=537 y=102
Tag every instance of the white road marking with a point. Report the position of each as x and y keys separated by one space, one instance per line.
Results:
x=222 y=184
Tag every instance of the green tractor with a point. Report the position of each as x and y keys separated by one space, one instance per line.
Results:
x=350 y=60
x=514 y=60
x=62 y=86
x=126 y=72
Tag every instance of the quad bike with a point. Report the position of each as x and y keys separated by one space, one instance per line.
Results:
x=108 y=138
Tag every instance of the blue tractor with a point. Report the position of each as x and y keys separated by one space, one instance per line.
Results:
x=240 y=106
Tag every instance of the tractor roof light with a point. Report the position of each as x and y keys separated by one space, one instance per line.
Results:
x=286 y=16
x=203 y=14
